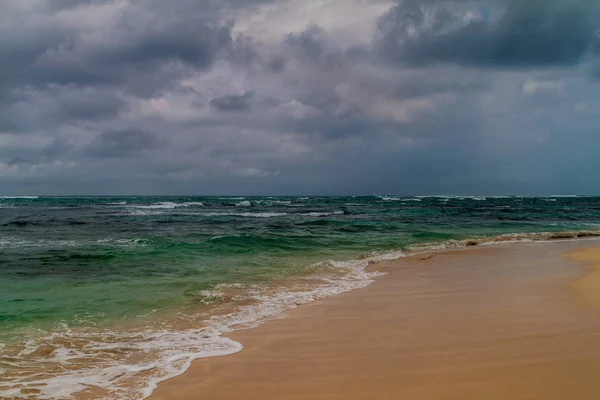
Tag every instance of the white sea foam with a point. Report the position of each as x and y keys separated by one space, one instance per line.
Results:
x=19 y=197
x=259 y=214
x=244 y=203
x=193 y=204
x=389 y=198
x=168 y=205
x=12 y=242
x=94 y=364
x=165 y=205
x=270 y=203
x=454 y=197
x=123 y=242
x=322 y=214
x=267 y=214
x=476 y=198
x=392 y=198
x=213 y=213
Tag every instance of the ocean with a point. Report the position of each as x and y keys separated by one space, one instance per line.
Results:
x=104 y=297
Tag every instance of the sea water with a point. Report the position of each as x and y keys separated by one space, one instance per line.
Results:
x=104 y=297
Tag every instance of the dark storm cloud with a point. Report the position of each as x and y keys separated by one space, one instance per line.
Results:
x=57 y=105
x=509 y=33
x=233 y=103
x=56 y=148
x=58 y=5
x=596 y=70
x=122 y=143
x=415 y=88
x=6 y=125
x=143 y=48
x=18 y=161
x=134 y=55
x=88 y=105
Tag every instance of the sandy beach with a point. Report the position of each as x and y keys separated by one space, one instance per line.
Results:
x=515 y=321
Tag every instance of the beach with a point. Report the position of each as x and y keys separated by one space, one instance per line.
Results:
x=511 y=321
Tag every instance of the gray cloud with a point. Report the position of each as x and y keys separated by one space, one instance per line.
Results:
x=88 y=105
x=223 y=97
x=309 y=42
x=508 y=33
x=57 y=148
x=241 y=102
x=56 y=105
x=122 y=143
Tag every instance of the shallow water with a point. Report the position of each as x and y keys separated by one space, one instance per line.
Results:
x=104 y=297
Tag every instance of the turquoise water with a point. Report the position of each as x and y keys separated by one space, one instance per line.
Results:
x=141 y=270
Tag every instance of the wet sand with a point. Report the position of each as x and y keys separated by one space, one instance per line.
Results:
x=511 y=322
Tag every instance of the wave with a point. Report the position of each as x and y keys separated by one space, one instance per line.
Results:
x=270 y=214
x=322 y=214
x=275 y=214
x=271 y=203
x=248 y=214
x=257 y=214
x=456 y=197
x=192 y=204
x=168 y=205
x=19 y=197
x=392 y=198
x=475 y=198
x=165 y=205
x=389 y=198
x=11 y=242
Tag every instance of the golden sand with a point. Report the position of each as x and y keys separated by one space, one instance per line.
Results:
x=588 y=286
x=482 y=324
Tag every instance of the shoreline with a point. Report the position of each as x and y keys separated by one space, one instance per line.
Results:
x=217 y=336
x=256 y=343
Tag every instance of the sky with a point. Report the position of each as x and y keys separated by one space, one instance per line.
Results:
x=294 y=97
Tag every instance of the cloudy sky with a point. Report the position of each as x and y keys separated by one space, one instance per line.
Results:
x=299 y=97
